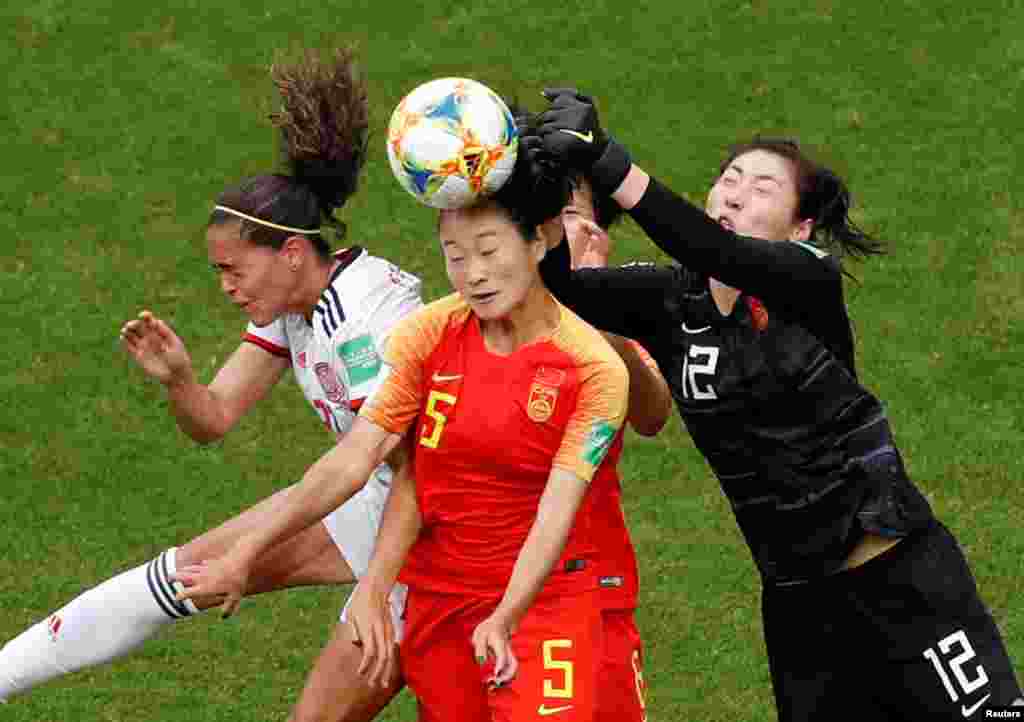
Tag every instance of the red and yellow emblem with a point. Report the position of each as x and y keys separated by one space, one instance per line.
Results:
x=544 y=394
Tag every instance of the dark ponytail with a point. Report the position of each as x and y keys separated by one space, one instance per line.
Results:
x=323 y=122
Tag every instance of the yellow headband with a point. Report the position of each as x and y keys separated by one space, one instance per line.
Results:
x=262 y=222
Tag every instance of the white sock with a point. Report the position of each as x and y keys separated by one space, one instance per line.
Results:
x=103 y=624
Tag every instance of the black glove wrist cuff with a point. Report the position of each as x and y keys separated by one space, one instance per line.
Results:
x=608 y=171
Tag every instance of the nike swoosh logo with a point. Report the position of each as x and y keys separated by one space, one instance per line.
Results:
x=545 y=711
x=968 y=711
x=587 y=137
x=702 y=329
x=441 y=379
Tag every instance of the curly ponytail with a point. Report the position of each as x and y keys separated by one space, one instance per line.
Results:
x=323 y=122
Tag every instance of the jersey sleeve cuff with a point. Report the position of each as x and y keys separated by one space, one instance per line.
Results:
x=266 y=345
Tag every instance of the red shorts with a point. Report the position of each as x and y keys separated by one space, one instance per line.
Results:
x=620 y=684
x=557 y=646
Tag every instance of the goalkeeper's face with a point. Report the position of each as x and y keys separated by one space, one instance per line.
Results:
x=488 y=261
x=756 y=195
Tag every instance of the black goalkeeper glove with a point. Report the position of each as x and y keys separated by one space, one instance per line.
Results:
x=571 y=131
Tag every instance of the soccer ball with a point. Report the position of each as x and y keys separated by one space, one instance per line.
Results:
x=451 y=142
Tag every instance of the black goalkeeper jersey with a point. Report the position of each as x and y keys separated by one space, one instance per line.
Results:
x=768 y=393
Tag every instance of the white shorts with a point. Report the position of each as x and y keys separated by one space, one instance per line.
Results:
x=353 y=526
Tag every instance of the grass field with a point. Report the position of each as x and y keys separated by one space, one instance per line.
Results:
x=124 y=120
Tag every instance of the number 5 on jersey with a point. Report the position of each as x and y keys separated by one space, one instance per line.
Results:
x=431 y=435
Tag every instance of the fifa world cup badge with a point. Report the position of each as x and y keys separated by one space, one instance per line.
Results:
x=544 y=394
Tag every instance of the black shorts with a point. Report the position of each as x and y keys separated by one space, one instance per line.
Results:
x=904 y=636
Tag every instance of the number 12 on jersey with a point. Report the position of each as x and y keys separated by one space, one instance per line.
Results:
x=701 y=361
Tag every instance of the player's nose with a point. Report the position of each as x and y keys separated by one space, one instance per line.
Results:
x=226 y=286
x=476 y=271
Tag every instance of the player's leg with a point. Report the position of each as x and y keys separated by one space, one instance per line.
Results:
x=944 y=657
x=110 y=620
x=437 y=657
x=620 y=680
x=335 y=692
x=558 y=645
x=807 y=631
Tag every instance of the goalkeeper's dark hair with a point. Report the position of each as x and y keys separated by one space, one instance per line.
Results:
x=539 y=187
x=823 y=197
x=323 y=121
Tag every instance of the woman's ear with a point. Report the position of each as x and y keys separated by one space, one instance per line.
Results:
x=551 y=232
x=293 y=249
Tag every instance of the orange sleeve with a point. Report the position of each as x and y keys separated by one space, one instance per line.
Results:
x=601 y=404
x=397 y=401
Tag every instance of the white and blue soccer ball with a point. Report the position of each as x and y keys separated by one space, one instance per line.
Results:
x=451 y=142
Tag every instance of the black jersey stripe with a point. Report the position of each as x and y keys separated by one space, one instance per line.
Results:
x=164 y=573
x=337 y=304
x=325 y=318
x=158 y=593
x=329 y=310
x=776 y=499
x=736 y=477
x=324 y=309
x=869 y=444
x=817 y=367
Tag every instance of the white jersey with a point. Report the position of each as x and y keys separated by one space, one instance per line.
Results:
x=337 y=354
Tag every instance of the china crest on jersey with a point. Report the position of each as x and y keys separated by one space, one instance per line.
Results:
x=544 y=394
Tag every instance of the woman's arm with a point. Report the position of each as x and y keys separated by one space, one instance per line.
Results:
x=650 y=400
x=777 y=272
x=628 y=301
x=545 y=543
x=205 y=413
x=368 y=611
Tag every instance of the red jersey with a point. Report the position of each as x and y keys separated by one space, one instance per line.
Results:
x=489 y=429
x=618 y=575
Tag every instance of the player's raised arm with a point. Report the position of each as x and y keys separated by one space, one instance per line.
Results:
x=204 y=412
x=777 y=273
